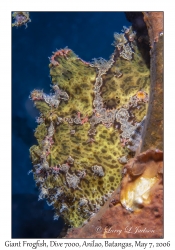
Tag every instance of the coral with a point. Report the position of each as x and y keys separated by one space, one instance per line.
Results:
x=21 y=18
x=136 y=209
x=153 y=131
x=86 y=128
x=154 y=22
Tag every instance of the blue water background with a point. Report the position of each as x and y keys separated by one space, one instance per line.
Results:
x=89 y=35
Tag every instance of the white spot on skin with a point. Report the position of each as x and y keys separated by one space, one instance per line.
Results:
x=98 y=170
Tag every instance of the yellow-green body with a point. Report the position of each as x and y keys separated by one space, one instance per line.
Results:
x=104 y=148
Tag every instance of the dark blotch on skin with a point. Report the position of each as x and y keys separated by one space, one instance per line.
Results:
x=111 y=178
